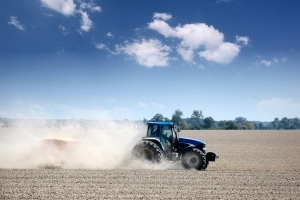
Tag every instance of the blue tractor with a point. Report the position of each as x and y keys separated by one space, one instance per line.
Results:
x=163 y=143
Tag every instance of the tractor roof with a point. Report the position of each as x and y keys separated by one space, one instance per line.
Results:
x=162 y=123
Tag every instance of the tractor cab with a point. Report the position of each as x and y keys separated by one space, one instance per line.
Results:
x=163 y=132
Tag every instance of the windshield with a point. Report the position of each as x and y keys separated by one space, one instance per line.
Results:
x=167 y=131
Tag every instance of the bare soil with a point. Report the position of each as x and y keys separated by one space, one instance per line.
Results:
x=252 y=165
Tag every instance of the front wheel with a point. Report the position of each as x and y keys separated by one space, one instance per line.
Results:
x=194 y=159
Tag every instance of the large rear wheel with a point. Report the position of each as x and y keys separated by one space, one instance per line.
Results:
x=147 y=150
x=194 y=159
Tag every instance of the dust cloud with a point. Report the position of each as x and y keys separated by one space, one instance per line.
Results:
x=72 y=144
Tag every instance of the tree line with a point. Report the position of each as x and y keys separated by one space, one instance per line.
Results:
x=197 y=121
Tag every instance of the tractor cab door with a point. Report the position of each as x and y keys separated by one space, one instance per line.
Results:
x=171 y=141
x=167 y=137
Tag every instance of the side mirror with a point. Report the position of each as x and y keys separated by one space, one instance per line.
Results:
x=177 y=128
x=180 y=128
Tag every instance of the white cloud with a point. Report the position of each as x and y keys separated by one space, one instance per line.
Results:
x=276 y=60
x=162 y=16
x=279 y=107
x=162 y=27
x=68 y=7
x=224 y=54
x=267 y=63
x=96 y=9
x=91 y=6
x=65 y=7
x=270 y=62
x=100 y=46
x=109 y=34
x=16 y=23
x=86 y=23
x=242 y=39
x=149 y=53
x=63 y=30
x=198 y=37
x=186 y=53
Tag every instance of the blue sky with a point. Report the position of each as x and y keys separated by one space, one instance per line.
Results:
x=97 y=59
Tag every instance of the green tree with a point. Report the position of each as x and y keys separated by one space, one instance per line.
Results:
x=296 y=123
x=284 y=123
x=221 y=124
x=242 y=123
x=157 y=118
x=240 y=120
x=230 y=125
x=260 y=126
x=197 y=120
x=209 y=123
x=276 y=123
x=177 y=117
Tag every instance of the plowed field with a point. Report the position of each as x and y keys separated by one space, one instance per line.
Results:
x=252 y=165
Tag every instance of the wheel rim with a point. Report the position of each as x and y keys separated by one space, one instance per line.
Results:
x=145 y=153
x=192 y=160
